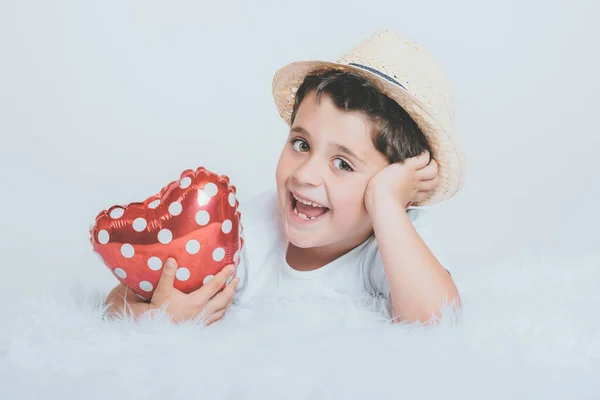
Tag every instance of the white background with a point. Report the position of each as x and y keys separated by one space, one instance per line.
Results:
x=105 y=102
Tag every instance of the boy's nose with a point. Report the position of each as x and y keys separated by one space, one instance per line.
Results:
x=309 y=173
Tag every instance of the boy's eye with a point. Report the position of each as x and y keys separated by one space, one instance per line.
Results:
x=300 y=145
x=343 y=165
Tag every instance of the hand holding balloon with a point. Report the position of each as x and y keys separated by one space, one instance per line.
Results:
x=194 y=220
x=209 y=302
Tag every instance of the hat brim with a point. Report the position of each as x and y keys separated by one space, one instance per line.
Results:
x=444 y=145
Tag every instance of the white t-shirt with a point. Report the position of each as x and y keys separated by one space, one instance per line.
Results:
x=264 y=271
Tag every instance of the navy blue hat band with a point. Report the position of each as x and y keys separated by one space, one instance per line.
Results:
x=381 y=74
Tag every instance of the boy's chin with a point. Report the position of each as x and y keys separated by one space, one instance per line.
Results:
x=303 y=244
x=302 y=240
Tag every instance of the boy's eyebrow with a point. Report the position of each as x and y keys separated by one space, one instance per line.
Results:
x=338 y=147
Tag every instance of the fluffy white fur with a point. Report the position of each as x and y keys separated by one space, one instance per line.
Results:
x=530 y=329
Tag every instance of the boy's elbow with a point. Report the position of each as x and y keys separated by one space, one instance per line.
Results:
x=426 y=315
x=120 y=303
x=114 y=302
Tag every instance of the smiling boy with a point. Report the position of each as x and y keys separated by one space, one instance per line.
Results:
x=331 y=163
x=370 y=135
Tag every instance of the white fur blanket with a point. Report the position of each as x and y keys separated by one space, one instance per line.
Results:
x=530 y=329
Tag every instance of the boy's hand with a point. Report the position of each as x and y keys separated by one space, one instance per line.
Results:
x=407 y=182
x=206 y=302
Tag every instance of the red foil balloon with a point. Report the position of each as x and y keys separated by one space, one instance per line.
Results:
x=194 y=220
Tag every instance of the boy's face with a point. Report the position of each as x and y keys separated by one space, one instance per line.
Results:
x=316 y=165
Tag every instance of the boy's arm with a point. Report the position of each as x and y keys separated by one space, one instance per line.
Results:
x=419 y=285
x=122 y=301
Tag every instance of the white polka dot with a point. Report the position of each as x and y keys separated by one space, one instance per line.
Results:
x=154 y=263
x=226 y=226
x=218 y=254
x=207 y=279
x=103 y=237
x=175 y=208
x=210 y=189
x=117 y=213
x=185 y=182
x=154 y=204
x=231 y=199
x=236 y=256
x=127 y=250
x=165 y=236
x=182 y=274
x=139 y=224
x=192 y=246
x=120 y=273
x=202 y=217
x=146 y=286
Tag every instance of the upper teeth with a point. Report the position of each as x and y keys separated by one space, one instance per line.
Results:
x=310 y=203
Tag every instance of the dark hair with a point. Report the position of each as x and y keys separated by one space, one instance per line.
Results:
x=395 y=134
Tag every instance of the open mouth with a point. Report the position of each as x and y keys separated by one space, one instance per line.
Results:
x=306 y=211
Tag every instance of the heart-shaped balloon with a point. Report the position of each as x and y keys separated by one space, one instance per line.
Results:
x=194 y=220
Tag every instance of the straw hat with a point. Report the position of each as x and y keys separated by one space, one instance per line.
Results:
x=407 y=74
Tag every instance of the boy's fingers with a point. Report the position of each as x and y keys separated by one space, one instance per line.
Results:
x=421 y=160
x=208 y=290
x=215 y=317
x=430 y=168
x=233 y=295
x=224 y=298
x=220 y=313
x=165 y=283
x=428 y=184
x=427 y=158
x=428 y=172
x=234 y=284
